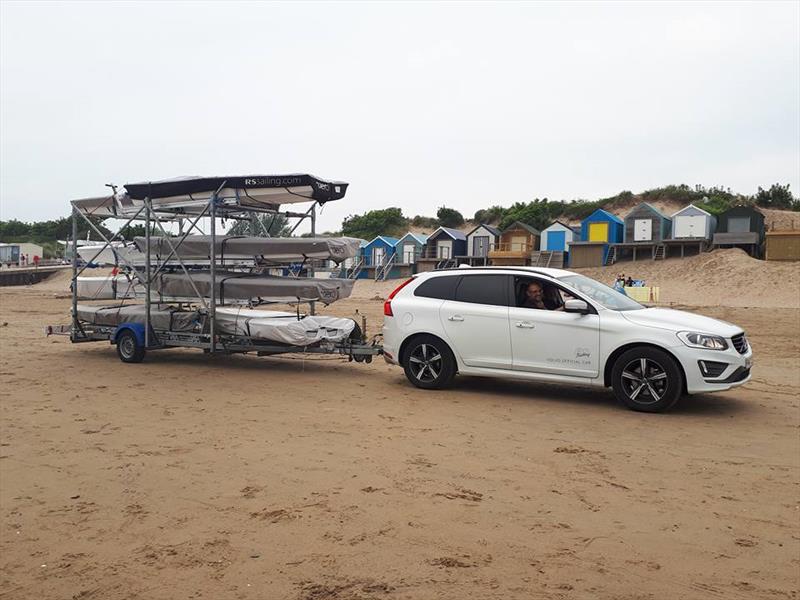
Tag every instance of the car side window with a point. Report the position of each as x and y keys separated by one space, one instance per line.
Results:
x=442 y=288
x=549 y=297
x=483 y=289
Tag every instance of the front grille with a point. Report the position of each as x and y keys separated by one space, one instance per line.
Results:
x=740 y=343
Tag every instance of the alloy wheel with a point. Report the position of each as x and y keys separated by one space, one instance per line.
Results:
x=644 y=380
x=426 y=362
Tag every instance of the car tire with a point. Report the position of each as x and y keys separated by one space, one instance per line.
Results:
x=647 y=379
x=128 y=348
x=429 y=363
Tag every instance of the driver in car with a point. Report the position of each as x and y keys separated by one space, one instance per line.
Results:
x=535 y=298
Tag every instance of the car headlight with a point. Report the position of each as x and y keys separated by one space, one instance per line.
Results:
x=703 y=340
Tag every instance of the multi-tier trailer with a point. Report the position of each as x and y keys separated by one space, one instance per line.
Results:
x=182 y=203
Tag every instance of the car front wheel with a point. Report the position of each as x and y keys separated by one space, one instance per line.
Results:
x=428 y=362
x=647 y=379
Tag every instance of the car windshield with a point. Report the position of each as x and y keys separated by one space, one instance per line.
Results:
x=608 y=297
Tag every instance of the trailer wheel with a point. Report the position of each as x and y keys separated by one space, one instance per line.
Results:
x=128 y=348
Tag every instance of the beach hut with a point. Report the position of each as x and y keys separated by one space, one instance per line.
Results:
x=409 y=248
x=646 y=224
x=554 y=246
x=602 y=226
x=479 y=242
x=557 y=237
x=378 y=251
x=741 y=227
x=517 y=243
x=692 y=228
x=376 y=255
x=442 y=247
x=598 y=231
x=646 y=228
x=692 y=223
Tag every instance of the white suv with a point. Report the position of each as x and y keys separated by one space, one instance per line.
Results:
x=473 y=321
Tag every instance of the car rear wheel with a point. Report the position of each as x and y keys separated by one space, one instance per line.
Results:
x=128 y=348
x=428 y=362
x=647 y=380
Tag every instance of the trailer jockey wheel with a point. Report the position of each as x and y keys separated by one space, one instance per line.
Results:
x=128 y=348
x=368 y=358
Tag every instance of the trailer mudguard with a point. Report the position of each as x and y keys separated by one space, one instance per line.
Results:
x=136 y=328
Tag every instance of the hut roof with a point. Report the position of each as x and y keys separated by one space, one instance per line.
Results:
x=525 y=226
x=493 y=230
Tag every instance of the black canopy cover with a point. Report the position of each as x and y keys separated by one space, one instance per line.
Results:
x=321 y=189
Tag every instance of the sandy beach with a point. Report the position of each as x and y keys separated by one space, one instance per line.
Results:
x=310 y=478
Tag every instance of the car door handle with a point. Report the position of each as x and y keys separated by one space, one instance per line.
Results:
x=525 y=325
x=455 y=318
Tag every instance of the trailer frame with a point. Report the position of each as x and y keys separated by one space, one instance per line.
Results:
x=216 y=207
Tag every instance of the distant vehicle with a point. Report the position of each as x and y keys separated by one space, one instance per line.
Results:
x=472 y=321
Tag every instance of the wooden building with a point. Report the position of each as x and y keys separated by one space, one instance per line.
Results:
x=517 y=243
x=646 y=228
x=598 y=231
x=410 y=247
x=376 y=255
x=692 y=231
x=441 y=249
x=646 y=224
x=692 y=223
x=557 y=237
x=480 y=241
x=783 y=245
x=741 y=227
x=554 y=246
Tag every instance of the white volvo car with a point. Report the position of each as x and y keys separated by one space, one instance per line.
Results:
x=480 y=321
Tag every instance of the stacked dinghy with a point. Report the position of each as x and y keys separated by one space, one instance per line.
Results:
x=199 y=290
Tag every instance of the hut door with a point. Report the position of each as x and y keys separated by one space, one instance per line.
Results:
x=408 y=253
x=687 y=226
x=642 y=230
x=480 y=245
x=556 y=241
x=598 y=232
x=377 y=255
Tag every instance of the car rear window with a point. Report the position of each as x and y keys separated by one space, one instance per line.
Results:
x=483 y=289
x=443 y=288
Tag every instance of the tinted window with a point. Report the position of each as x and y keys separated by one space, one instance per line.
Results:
x=443 y=288
x=483 y=289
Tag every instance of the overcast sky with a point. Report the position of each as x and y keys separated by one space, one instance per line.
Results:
x=417 y=105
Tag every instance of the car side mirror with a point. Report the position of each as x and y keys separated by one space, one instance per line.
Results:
x=576 y=306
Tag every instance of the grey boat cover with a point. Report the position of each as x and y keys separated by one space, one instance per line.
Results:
x=164 y=317
x=246 y=286
x=269 y=249
x=275 y=326
x=283 y=327
x=112 y=287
